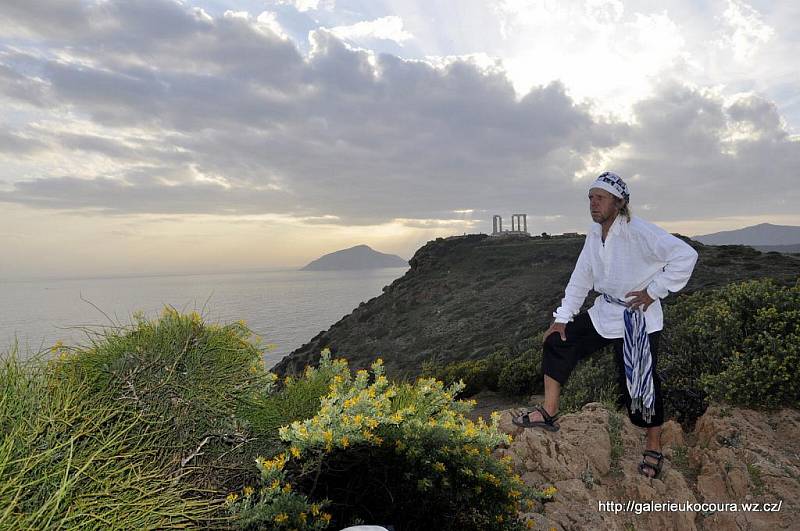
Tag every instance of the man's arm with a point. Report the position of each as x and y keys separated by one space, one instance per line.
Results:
x=680 y=260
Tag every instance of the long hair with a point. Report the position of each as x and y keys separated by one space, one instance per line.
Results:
x=625 y=210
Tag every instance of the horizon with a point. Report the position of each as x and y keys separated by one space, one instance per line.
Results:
x=215 y=135
x=296 y=267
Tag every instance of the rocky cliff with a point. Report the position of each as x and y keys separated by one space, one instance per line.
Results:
x=466 y=296
x=732 y=455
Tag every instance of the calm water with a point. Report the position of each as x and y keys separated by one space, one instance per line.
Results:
x=286 y=308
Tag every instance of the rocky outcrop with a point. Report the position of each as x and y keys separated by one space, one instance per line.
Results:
x=467 y=296
x=733 y=455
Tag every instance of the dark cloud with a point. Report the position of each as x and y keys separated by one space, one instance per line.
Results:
x=694 y=160
x=340 y=132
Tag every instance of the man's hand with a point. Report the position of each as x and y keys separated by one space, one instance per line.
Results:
x=561 y=328
x=640 y=298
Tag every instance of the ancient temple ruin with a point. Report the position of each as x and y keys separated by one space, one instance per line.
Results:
x=519 y=225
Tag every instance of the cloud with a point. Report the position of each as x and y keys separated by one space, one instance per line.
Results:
x=694 y=155
x=199 y=115
x=388 y=28
x=309 y=5
x=745 y=32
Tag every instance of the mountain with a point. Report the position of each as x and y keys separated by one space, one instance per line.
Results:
x=467 y=296
x=358 y=257
x=762 y=235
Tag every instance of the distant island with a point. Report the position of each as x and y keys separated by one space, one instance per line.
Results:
x=358 y=257
x=765 y=237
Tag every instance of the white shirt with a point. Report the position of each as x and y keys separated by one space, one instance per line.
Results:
x=636 y=255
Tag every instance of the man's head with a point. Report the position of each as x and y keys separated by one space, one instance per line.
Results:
x=608 y=196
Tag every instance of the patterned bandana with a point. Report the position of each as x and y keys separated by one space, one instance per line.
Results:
x=613 y=184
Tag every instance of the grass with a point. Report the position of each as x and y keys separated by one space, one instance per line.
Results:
x=68 y=460
x=615 y=435
x=149 y=426
x=755 y=478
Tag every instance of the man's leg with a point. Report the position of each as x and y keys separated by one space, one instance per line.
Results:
x=560 y=357
x=653 y=427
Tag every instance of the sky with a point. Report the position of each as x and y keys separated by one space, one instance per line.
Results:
x=165 y=136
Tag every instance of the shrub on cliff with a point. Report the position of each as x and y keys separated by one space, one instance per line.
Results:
x=513 y=375
x=739 y=343
x=196 y=378
x=70 y=460
x=403 y=454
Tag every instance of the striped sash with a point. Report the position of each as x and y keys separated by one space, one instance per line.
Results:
x=638 y=360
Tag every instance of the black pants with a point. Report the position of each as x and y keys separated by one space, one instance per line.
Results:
x=560 y=358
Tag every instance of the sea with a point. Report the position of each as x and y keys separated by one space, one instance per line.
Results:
x=286 y=308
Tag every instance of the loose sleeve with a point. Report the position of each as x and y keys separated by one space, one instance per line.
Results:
x=680 y=260
x=578 y=287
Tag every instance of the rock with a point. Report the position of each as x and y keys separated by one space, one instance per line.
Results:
x=742 y=458
x=672 y=434
x=732 y=455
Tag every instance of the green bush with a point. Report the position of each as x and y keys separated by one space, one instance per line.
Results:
x=739 y=343
x=403 y=454
x=196 y=378
x=69 y=460
x=513 y=375
x=594 y=379
x=151 y=425
x=522 y=375
x=478 y=375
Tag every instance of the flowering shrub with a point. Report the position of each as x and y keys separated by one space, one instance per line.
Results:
x=276 y=505
x=401 y=454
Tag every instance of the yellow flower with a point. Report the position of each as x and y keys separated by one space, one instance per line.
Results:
x=287 y=489
x=549 y=491
x=345 y=442
x=248 y=491
x=530 y=524
x=295 y=451
x=327 y=517
x=281 y=518
x=231 y=498
x=439 y=466
x=314 y=509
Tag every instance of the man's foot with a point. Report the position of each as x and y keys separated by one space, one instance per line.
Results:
x=538 y=417
x=651 y=463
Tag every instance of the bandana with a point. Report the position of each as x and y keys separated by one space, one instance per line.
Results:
x=613 y=184
x=638 y=360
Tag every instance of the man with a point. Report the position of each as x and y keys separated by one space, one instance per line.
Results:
x=633 y=264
